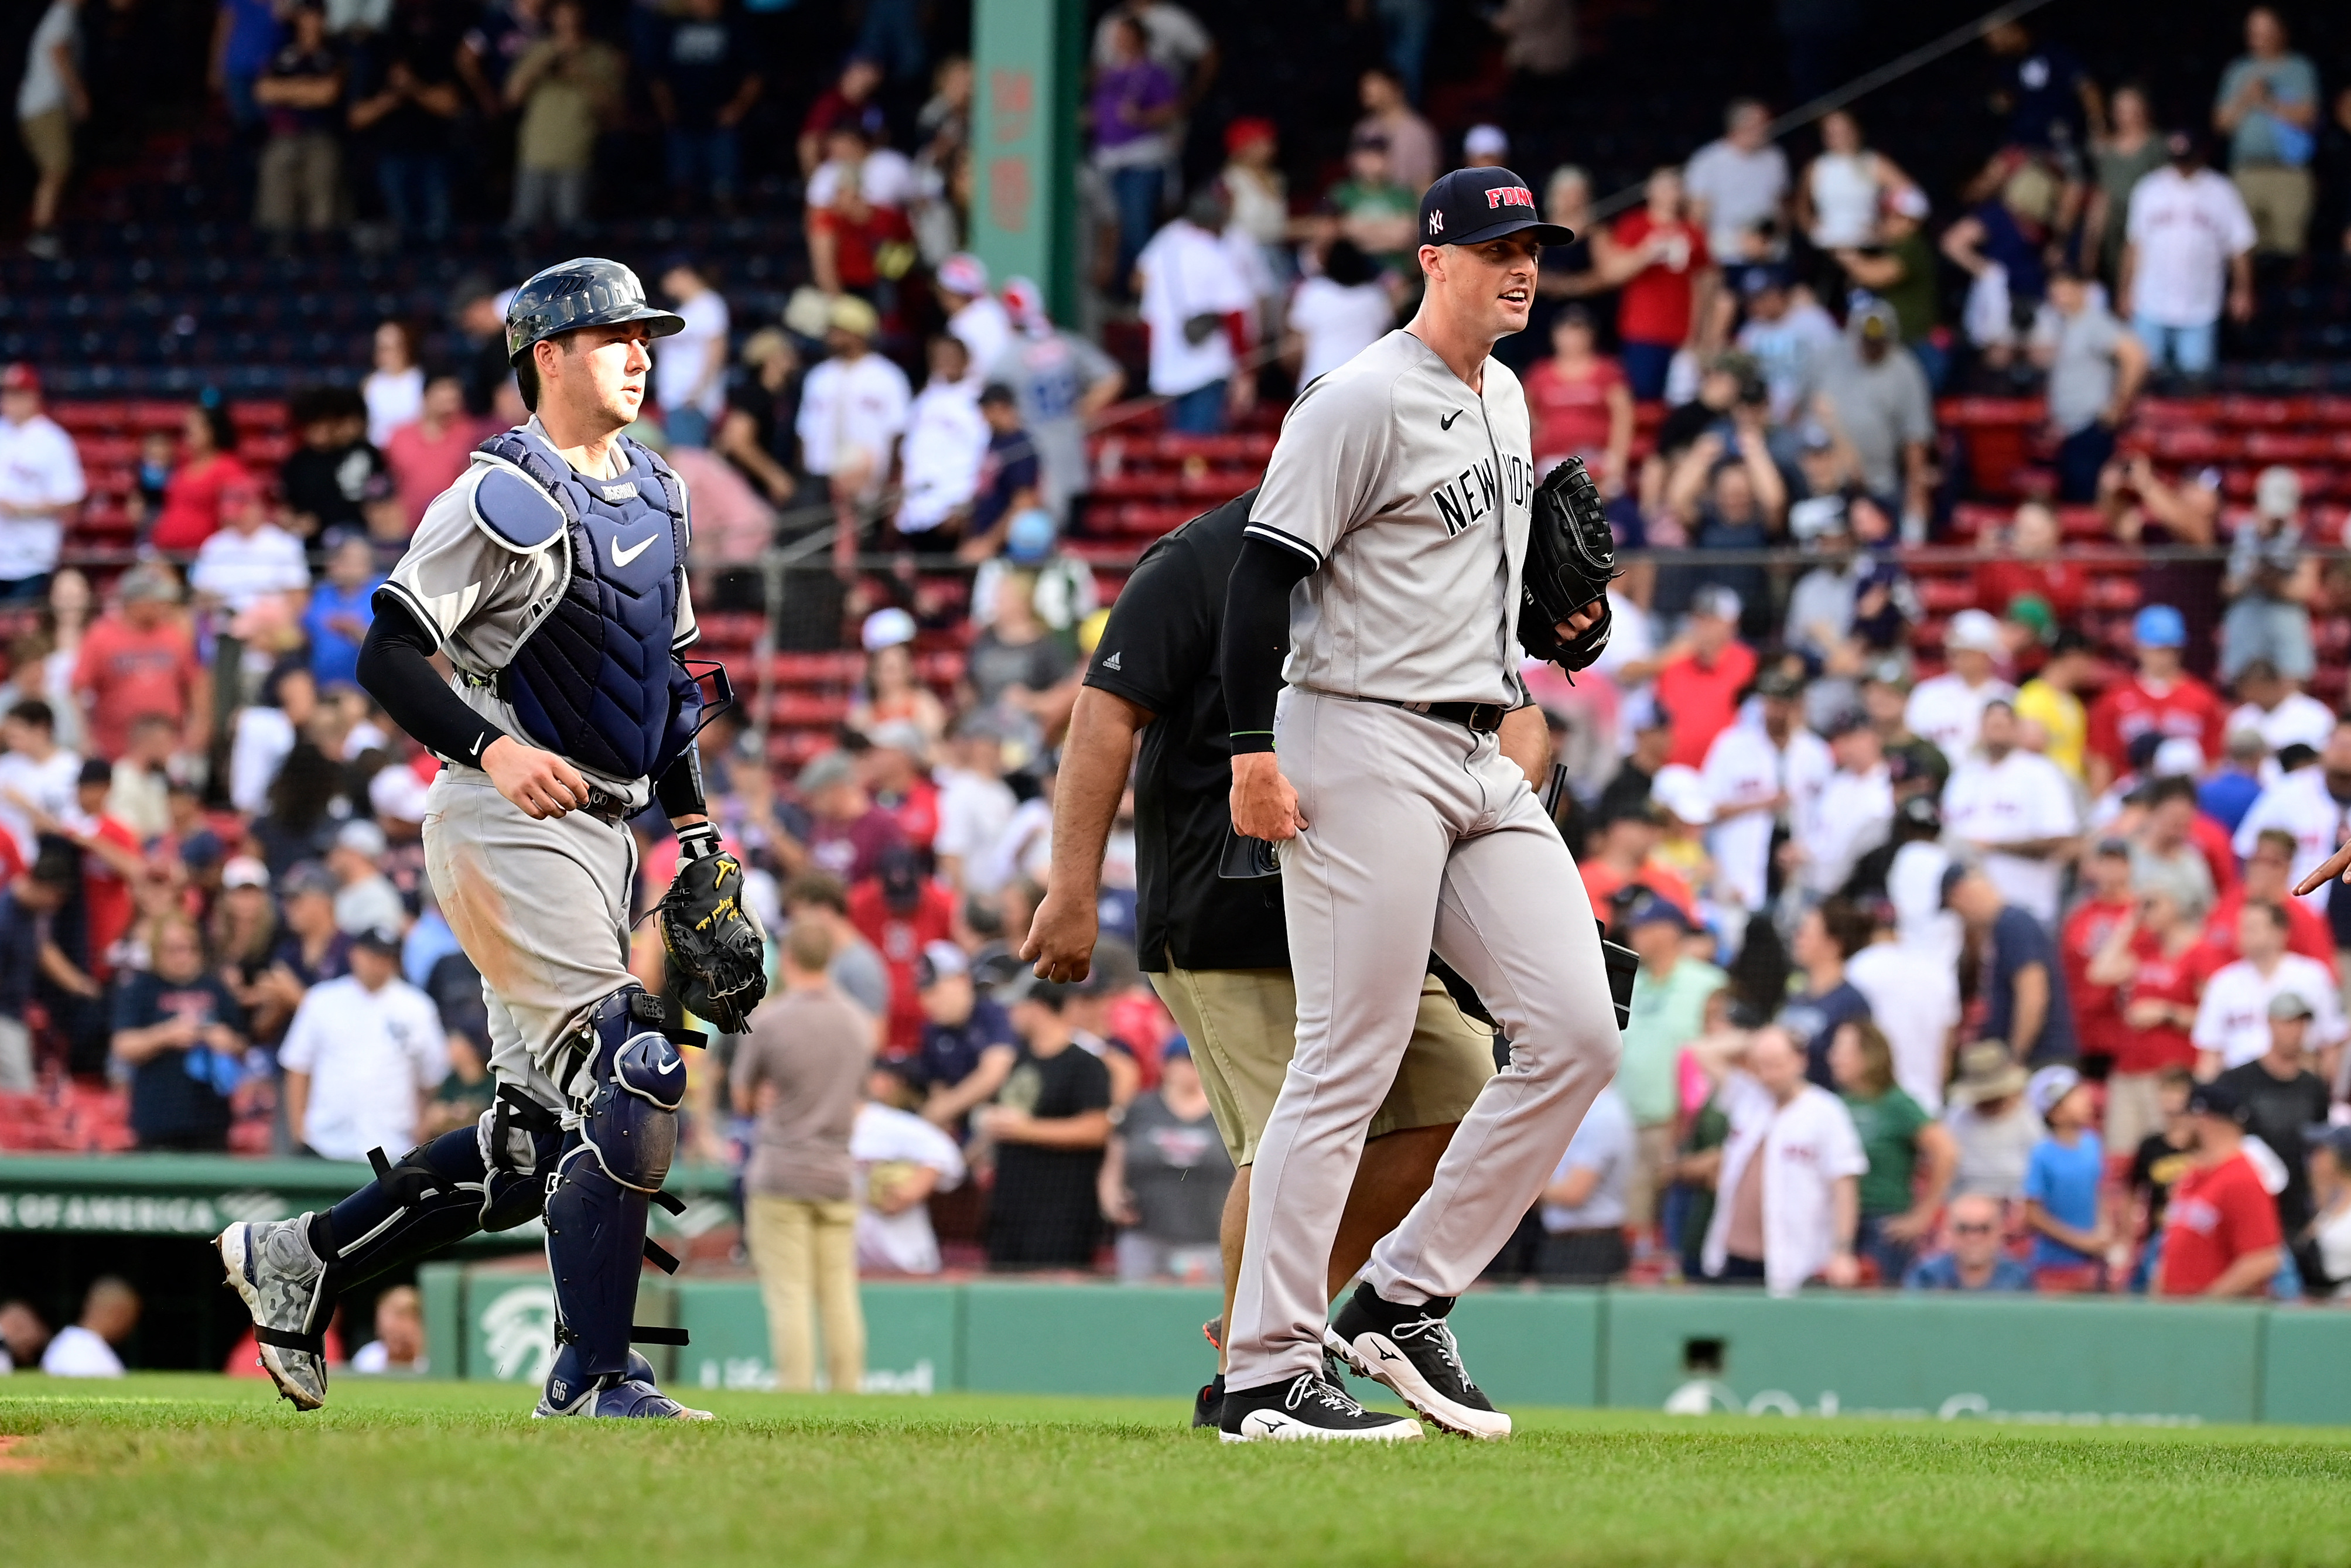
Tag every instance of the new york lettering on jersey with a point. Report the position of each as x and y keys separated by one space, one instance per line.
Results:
x=1464 y=501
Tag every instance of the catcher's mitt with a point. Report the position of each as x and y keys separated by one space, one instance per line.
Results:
x=1571 y=560
x=717 y=954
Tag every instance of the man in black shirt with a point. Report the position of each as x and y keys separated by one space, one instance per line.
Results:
x=409 y=109
x=335 y=478
x=1048 y=1124
x=2281 y=1097
x=1215 y=947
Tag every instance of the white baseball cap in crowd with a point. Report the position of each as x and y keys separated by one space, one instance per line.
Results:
x=1682 y=791
x=1974 y=631
x=398 y=794
x=361 y=835
x=965 y=274
x=2277 y=492
x=886 y=628
x=243 y=870
x=1486 y=142
x=1715 y=600
x=2178 y=757
x=901 y=735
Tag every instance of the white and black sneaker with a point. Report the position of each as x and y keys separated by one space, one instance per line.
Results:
x=1412 y=1352
x=1307 y=1408
x=272 y=1267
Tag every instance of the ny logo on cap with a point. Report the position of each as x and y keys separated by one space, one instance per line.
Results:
x=1436 y=222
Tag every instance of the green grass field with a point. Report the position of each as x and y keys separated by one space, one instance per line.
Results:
x=182 y=1469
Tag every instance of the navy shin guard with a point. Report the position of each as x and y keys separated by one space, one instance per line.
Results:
x=605 y=1186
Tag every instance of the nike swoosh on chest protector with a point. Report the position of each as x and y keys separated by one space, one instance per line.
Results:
x=624 y=557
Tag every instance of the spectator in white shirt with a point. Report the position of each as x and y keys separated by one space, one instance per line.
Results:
x=251 y=557
x=1947 y=708
x=975 y=318
x=1789 y=1200
x=1196 y=304
x=394 y=391
x=1853 y=811
x=40 y=481
x=1758 y=771
x=2312 y=803
x=975 y=805
x=1913 y=999
x=690 y=365
x=853 y=406
x=37 y=775
x=50 y=96
x=1338 y=313
x=109 y=1311
x=360 y=1055
x=1737 y=187
x=901 y=1161
x=1584 y=1207
x=2188 y=249
x=2016 y=809
x=399 y=1343
x=2232 y=1019
x=2279 y=710
x=946 y=442
x=365 y=899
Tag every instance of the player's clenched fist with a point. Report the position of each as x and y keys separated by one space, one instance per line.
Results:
x=539 y=782
x=1265 y=806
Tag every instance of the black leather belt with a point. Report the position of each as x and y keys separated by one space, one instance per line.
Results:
x=1483 y=719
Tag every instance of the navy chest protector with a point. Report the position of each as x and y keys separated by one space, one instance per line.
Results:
x=595 y=679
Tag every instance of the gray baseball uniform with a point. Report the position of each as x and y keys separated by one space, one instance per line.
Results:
x=1411 y=495
x=541 y=906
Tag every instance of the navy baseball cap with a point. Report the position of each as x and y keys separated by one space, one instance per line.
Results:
x=1470 y=207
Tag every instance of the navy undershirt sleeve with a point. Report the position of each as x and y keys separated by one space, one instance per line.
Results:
x=1257 y=638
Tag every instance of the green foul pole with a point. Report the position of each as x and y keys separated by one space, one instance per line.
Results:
x=1030 y=56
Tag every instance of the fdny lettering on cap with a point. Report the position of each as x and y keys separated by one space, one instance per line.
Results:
x=1509 y=196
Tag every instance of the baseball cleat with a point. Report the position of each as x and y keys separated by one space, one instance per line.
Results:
x=271 y=1266
x=1208 y=1404
x=1307 y=1408
x=632 y=1396
x=1411 y=1351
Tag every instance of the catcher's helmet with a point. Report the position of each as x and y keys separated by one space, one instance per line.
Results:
x=586 y=291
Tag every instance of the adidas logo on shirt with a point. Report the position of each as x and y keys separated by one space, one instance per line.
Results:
x=1112 y=662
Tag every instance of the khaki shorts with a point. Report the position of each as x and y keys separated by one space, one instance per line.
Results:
x=1243 y=1027
x=49 y=138
x=2278 y=201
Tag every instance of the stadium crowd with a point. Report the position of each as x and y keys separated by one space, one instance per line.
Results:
x=1969 y=959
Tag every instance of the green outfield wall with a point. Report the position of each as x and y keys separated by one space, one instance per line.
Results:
x=2058 y=1361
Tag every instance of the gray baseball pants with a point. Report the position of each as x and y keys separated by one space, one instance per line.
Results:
x=1422 y=835
x=542 y=909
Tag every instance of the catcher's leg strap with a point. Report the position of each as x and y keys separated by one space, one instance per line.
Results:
x=483 y=1177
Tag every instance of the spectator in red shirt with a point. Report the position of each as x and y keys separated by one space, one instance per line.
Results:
x=430 y=453
x=899 y=783
x=2268 y=879
x=2159 y=698
x=139 y=660
x=1702 y=674
x=2220 y=1235
x=1627 y=840
x=191 y=510
x=2031 y=563
x=2156 y=962
x=2099 y=1025
x=1660 y=257
x=848 y=235
x=901 y=912
x=110 y=865
x=848 y=833
x=1581 y=404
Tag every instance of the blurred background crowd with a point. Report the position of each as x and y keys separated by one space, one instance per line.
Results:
x=1979 y=453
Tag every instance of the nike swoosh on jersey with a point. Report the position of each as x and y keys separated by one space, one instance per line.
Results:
x=624 y=557
x=1447 y=423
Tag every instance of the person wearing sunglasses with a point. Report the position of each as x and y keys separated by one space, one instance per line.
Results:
x=1973 y=1257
